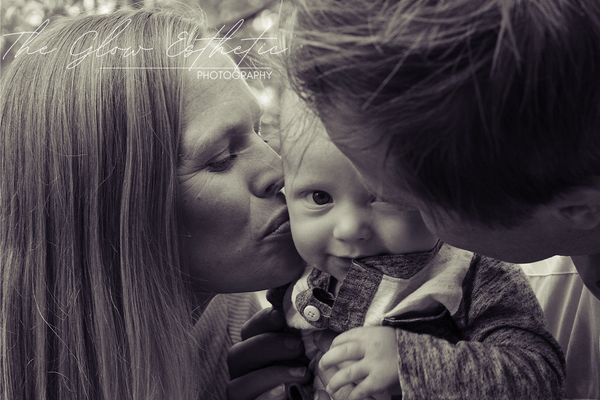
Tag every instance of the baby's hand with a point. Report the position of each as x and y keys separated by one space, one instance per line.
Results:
x=366 y=359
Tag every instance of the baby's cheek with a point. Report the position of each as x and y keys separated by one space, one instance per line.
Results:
x=309 y=241
x=407 y=235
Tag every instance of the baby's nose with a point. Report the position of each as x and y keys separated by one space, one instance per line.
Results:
x=352 y=228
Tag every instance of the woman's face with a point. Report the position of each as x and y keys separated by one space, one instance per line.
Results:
x=235 y=233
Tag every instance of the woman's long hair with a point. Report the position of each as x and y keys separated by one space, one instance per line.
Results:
x=94 y=304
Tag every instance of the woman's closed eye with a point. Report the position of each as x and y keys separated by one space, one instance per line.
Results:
x=221 y=163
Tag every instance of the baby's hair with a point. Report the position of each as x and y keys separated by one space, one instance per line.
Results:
x=300 y=129
x=465 y=93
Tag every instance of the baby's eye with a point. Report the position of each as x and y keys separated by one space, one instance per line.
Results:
x=221 y=164
x=320 y=197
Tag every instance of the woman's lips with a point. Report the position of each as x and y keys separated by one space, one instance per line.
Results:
x=279 y=224
x=283 y=228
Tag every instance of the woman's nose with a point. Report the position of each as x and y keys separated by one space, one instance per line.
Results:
x=352 y=227
x=267 y=181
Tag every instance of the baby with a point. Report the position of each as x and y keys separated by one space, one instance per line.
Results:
x=416 y=310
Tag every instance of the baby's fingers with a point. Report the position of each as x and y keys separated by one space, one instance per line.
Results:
x=350 y=375
x=343 y=393
x=354 y=334
x=336 y=355
x=367 y=389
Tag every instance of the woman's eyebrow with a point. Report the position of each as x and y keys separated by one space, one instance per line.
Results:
x=206 y=138
x=212 y=137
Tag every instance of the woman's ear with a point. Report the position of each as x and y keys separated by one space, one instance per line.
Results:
x=578 y=208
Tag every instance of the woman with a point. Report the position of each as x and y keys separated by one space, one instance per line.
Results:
x=131 y=192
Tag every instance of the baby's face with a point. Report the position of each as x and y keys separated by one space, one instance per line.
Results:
x=335 y=218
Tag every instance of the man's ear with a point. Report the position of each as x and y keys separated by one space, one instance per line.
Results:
x=578 y=208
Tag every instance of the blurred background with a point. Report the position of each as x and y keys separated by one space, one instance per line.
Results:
x=259 y=16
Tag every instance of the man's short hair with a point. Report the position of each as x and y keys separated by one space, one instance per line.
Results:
x=490 y=107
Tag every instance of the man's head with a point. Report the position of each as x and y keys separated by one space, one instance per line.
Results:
x=483 y=114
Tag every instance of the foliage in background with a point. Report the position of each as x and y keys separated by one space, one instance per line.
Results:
x=259 y=16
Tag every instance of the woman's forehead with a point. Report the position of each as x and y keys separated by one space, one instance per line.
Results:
x=214 y=109
x=212 y=75
x=207 y=90
x=227 y=96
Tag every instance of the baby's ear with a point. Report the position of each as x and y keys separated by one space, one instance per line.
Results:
x=578 y=208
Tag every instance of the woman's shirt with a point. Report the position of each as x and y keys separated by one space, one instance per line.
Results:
x=217 y=330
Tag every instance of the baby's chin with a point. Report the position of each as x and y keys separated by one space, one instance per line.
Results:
x=335 y=266
x=417 y=245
